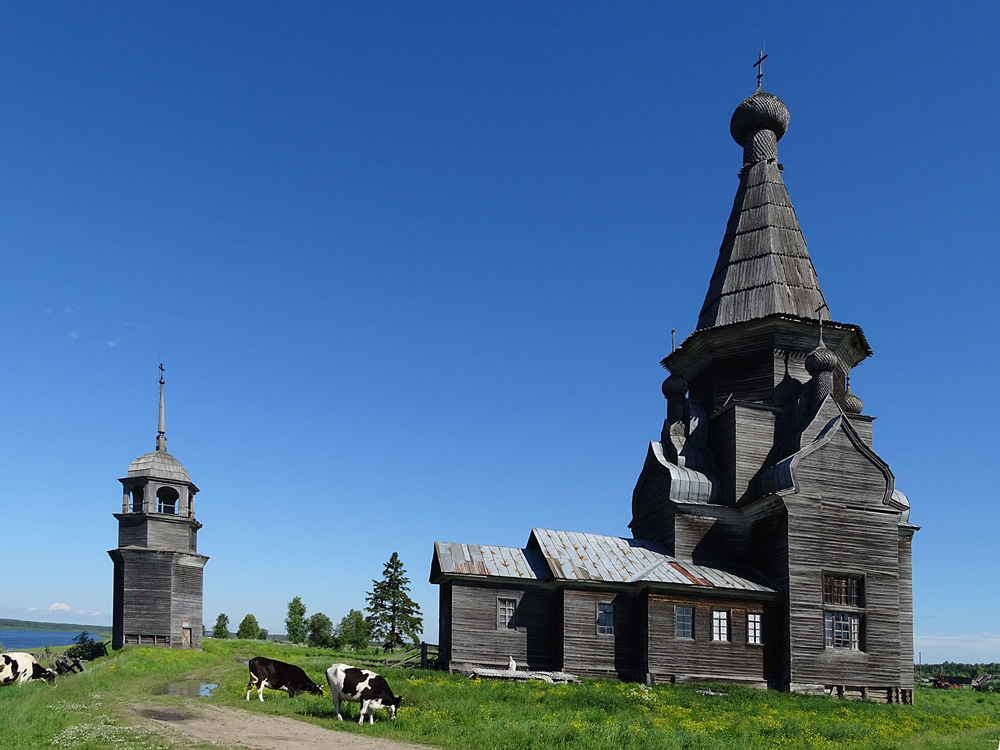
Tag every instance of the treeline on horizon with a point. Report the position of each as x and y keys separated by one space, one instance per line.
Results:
x=58 y=627
x=954 y=669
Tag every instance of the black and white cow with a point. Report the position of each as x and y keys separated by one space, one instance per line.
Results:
x=361 y=686
x=20 y=667
x=278 y=675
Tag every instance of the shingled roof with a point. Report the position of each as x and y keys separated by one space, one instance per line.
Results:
x=764 y=266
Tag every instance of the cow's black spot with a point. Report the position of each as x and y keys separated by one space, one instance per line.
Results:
x=352 y=678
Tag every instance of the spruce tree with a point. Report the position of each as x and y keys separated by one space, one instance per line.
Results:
x=391 y=612
x=295 y=623
x=221 y=629
x=249 y=628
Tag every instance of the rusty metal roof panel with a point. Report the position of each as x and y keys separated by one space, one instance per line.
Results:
x=490 y=560
x=580 y=556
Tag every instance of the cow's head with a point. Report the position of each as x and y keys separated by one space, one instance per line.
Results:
x=392 y=704
x=315 y=689
x=38 y=672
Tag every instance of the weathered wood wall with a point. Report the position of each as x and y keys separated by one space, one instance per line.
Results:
x=186 y=599
x=587 y=652
x=767 y=525
x=444 y=624
x=827 y=537
x=652 y=513
x=475 y=639
x=673 y=659
x=905 y=548
x=169 y=532
x=147 y=584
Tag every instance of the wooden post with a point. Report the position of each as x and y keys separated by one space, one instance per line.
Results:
x=423 y=654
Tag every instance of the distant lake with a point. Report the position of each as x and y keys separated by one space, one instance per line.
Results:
x=26 y=640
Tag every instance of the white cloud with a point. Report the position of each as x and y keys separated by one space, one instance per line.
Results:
x=32 y=609
x=59 y=607
x=111 y=343
x=73 y=335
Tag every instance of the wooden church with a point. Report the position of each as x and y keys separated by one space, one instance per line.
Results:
x=769 y=544
x=158 y=578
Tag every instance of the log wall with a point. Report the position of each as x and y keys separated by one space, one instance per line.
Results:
x=470 y=619
x=829 y=538
x=587 y=652
x=673 y=659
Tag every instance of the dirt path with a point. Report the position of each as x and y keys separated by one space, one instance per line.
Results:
x=234 y=728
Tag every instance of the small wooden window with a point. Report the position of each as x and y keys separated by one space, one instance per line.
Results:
x=845 y=591
x=137 y=500
x=683 y=621
x=755 y=633
x=506 y=609
x=605 y=618
x=720 y=625
x=843 y=630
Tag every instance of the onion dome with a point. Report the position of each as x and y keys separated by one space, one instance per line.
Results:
x=758 y=124
x=852 y=404
x=820 y=360
x=761 y=111
x=674 y=385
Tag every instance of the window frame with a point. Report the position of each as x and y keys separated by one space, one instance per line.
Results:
x=726 y=622
x=605 y=628
x=689 y=636
x=510 y=625
x=755 y=629
x=834 y=637
x=844 y=611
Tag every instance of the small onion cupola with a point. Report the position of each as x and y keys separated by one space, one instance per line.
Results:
x=758 y=124
x=852 y=404
x=821 y=363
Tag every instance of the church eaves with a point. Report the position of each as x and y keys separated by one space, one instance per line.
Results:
x=764 y=267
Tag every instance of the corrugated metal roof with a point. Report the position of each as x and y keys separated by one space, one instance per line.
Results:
x=577 y=556
x=491 y=560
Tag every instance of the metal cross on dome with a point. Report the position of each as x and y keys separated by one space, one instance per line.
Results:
x=760 y=67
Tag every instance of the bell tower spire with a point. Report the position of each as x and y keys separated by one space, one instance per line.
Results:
x=161 y=438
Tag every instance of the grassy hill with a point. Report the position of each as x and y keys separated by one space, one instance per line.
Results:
x=85 y=710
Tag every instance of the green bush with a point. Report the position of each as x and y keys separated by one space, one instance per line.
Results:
x=86 y=648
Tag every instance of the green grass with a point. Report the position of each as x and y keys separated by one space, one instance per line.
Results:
x=89 y=710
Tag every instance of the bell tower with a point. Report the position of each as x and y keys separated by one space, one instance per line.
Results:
x=158 y=578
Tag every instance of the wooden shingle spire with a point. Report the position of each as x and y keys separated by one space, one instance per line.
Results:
x=764 y=266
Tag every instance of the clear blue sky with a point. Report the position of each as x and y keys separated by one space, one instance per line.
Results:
x=411 y=268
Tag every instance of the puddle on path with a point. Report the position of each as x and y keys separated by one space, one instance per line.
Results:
x=188 y=688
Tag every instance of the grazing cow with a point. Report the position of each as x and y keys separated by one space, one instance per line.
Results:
x=278 y=675
x=20 y=667
x=361 y=686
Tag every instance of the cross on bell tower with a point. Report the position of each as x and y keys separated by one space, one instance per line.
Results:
x=760 y=68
